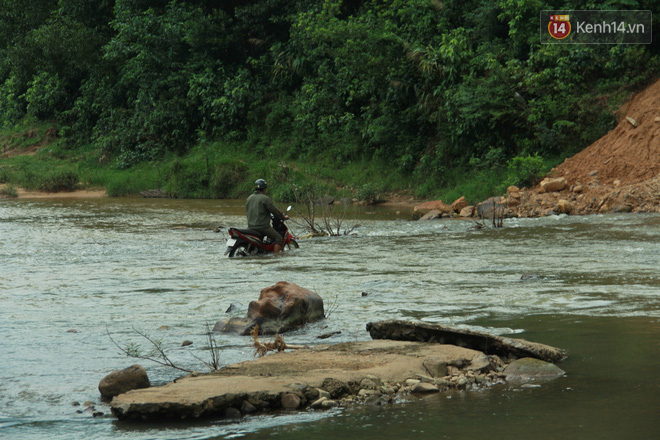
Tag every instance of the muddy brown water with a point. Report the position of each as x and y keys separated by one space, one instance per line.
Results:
x=72 y=271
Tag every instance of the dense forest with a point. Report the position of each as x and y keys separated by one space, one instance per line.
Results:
x=433 y=90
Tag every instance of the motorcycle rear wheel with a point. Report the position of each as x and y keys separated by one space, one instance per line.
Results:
x=243 y=250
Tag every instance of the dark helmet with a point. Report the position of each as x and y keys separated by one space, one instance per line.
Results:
x=260 y=185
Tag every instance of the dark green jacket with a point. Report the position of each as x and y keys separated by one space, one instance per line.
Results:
x=259 y=207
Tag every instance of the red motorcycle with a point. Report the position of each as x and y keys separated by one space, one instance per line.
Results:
x=246 y=242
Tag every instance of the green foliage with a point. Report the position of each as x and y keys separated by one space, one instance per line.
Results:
x=524 y=170
x=9 y=191
x=60 y=181
x=228 y=175
x=371 y=193
x=426 y=87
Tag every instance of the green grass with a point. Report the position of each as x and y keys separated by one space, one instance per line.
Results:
x=228 y=170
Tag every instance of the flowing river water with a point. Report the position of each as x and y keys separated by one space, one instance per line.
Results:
x=73 y=272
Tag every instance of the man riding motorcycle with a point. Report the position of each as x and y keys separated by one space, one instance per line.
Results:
x=259 y=207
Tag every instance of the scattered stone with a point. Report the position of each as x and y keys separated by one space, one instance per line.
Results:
x=530 y=368
x=164 y=327
x=437 y=205
x=632 y=121
x=72 y=330
x=328 y=335
x=432 y=215
x=248 y=408
x=425 y=388
x=325 y=200
x=324 y=393
x=155 y=194
x=98 y=414
x=121 y=381
x=622 y=208
x=318 y=403
x=564 y=206
x=366 y=293
x=412 y=382
x=186 y=343
x=553 y=184
x=435 y=367
x=233 y=413
x=459 y=204
x=335 y=387
x=290 y=401
x=468 y=211
x=368 y=384
x=327 y=404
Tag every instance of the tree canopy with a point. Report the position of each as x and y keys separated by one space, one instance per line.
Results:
x=423 y=84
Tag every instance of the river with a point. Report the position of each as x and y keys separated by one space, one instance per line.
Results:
x=73 y=272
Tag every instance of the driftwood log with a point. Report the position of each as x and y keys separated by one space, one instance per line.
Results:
x=489 y=344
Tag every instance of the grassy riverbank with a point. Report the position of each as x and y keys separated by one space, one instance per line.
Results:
x=34 y=158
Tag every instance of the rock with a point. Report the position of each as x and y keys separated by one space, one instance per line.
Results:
x=486 y=343
x=248 y=408
x=564 y=206
x=155 y=194
x=432 y=215
x=327 y=404
x=335 y=387
x=290 y=401
x=459 y=204
x=324 y=393
x=328 y=335
x=186 y=343
x=486 y=208
x=438 y=205
x=368 y=384
x=435 y=367
x=622 y=208
x=578 y=189
x=553 y=184
x=468 y=211
x=282 y=307
x=512 y=189
x=234 y=308
x=318 y=403
x=513 y=199
x=121 y=381
x=480 y=363
x=530 y=368
x=632 y=121
x=233 y=413
x=425 y=388
x=325 y=200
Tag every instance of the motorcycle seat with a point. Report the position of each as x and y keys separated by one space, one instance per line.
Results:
x=250 y=232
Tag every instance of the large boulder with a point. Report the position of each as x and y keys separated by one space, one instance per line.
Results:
x=532 y=369
x=281 y=307
x=122 y=381
x=435 y=205
x=553 y=184
x=489 y=207
x=459 y=204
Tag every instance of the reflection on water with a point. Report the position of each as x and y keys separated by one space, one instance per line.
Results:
x=72 y=271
